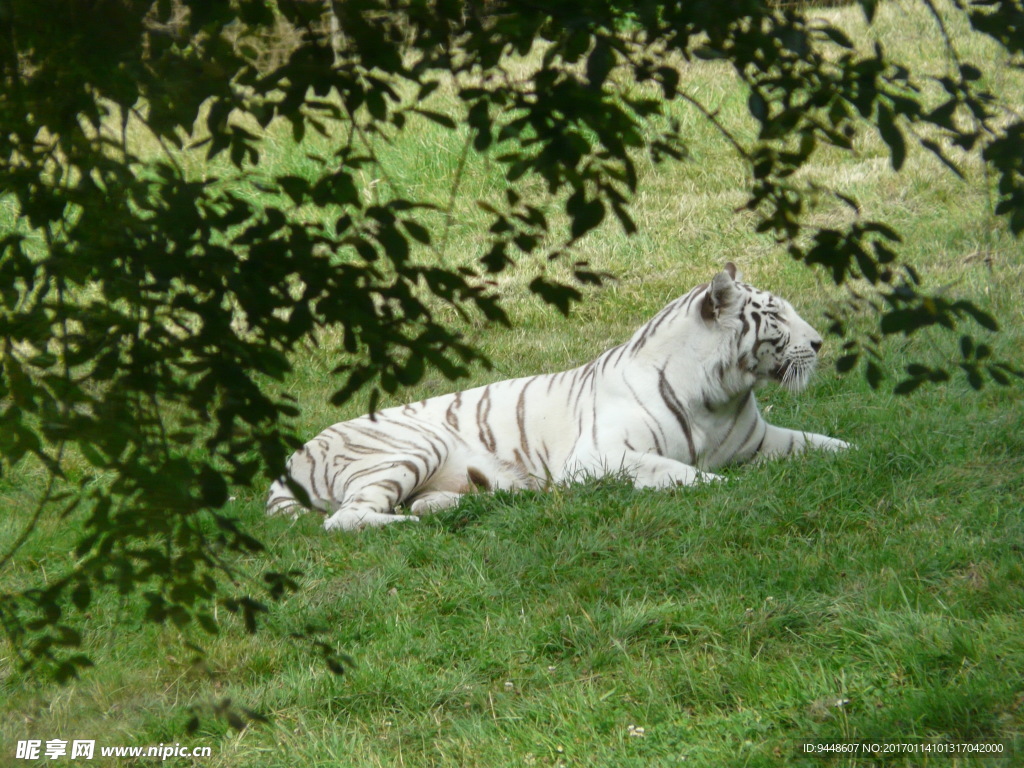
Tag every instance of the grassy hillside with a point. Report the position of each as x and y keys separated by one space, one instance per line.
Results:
x=872 y=596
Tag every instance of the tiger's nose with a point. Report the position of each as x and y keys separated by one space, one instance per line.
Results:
x=816 y=345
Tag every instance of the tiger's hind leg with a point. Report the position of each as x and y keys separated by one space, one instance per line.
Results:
x=372 y=487
x=465 y=472
x=360 y=512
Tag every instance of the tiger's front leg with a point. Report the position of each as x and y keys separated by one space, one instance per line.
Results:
x=353 y=517
x=651 y=470
x=779 y=441
x=432 y=501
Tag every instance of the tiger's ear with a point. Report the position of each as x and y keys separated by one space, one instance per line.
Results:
x=722 y=295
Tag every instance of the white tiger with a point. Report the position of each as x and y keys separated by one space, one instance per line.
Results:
x=669 y=405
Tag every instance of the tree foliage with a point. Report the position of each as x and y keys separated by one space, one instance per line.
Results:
x=144 y=308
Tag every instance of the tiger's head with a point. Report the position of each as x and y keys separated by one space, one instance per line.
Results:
x=769 y=341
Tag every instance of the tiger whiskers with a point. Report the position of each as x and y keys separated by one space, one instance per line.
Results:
x=796 y=374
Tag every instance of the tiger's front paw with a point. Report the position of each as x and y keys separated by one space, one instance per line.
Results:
x=433 y=501
x=834 y=444
x=349 y=520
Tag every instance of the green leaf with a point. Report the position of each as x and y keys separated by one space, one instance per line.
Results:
x=846 y=363
x=873 y=374
x=417 y=231
x=557 y=294
x=974 y=377
x=966 y=346
x=213 y=488
x=892 y=136
x=599 y=62
x=443 y=120
x=837 y=36
x=81 y=595
x=998 y=376
x=936 y=150
x=982 y=318
x=376 y=104
x=297 y=188
x=207 y=623
x=584 y=214
x=907 y=386
x=757 y=106
x=970 y=72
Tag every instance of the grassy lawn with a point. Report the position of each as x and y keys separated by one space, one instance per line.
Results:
x=871 y=596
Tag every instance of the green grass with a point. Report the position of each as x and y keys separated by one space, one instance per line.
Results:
x=875 y=595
